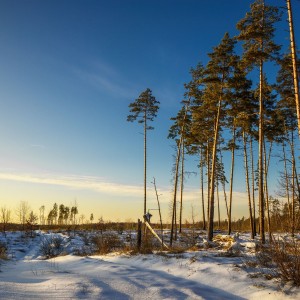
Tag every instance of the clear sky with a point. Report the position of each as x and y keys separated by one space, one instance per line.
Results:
x=69 y=69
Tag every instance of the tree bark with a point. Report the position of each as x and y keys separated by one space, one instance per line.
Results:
x=210 y=232
x=208 y=177
x=159 y=211
x=253 y=186
x=261 y=143
x=145 y=163
x=218 y=199
x=287 y=190
x=260 y=159
x=231 y=181
x=202 y=188
x=294 y=61
x=224 y=189
x=176 y=178
x=247 y=184
x=181 y=186
x=173 y=225
x=293 y=182
x=266 y=167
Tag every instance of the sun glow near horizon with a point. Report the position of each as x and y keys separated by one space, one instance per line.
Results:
x=102 y=198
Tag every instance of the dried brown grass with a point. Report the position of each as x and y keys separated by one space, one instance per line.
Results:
x=106 y=243
x=284 y=256
x=3 y=251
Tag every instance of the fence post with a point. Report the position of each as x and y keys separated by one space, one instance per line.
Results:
x=139 y=235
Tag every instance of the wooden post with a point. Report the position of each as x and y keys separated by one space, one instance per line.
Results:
x=139 y=235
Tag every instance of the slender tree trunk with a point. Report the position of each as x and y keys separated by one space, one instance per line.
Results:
x=145 y=163
x=181 y=186
x=293 y=198
x=176 y=178
x=261 y=143
x=218 y=199
x=175 y=211
x=294 y=61
x=202 y=188
x=253 y=185
x=224 y=189
x=159 y=211
x=260 y=159
x=173 y=225
x=210 y=231
x=291 y=142
x=287 y=190
x=231 y=180
x=247 y=184
x=266 y=167
x=208 y=167
x=297 y=185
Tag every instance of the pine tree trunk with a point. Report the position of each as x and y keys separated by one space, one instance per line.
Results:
x=181 y=186
x=179 y=146
x=210 y=232
x=253 y=186
x=159 y=211
x=247 y=184
x=224 y=190
x=173 y=225
x=208 y=177
x=294 y=61
x=291 y=142
x=260 y=158
x=202 y=188
x=218 y=199
x=293 y=198
x=145 y=163
x=287 y=190
x=231 y=180
x=266 y=167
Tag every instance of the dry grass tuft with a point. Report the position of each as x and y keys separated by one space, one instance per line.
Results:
x=106 y=243
x=3 y=251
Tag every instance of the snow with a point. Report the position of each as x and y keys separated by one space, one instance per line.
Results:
x=207 y=273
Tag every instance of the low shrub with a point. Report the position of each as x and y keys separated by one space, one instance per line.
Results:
x=51 y=246
x=286 y=256
x=283 y=257
x=188 y=238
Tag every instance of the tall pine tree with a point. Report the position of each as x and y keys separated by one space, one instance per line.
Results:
x=219 y=71
x=144 y=109
x=257 y=32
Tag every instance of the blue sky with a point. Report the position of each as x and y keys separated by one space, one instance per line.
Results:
x=69 y=69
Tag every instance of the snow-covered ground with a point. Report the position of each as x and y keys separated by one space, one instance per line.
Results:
x=201 y=274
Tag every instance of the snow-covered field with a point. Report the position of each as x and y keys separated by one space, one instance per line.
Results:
x=201 y=274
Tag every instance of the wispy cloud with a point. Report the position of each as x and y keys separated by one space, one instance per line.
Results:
x=75 y=182
x=105 y=77
x=192 y=196
x=96 y=184
x=37 y=146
